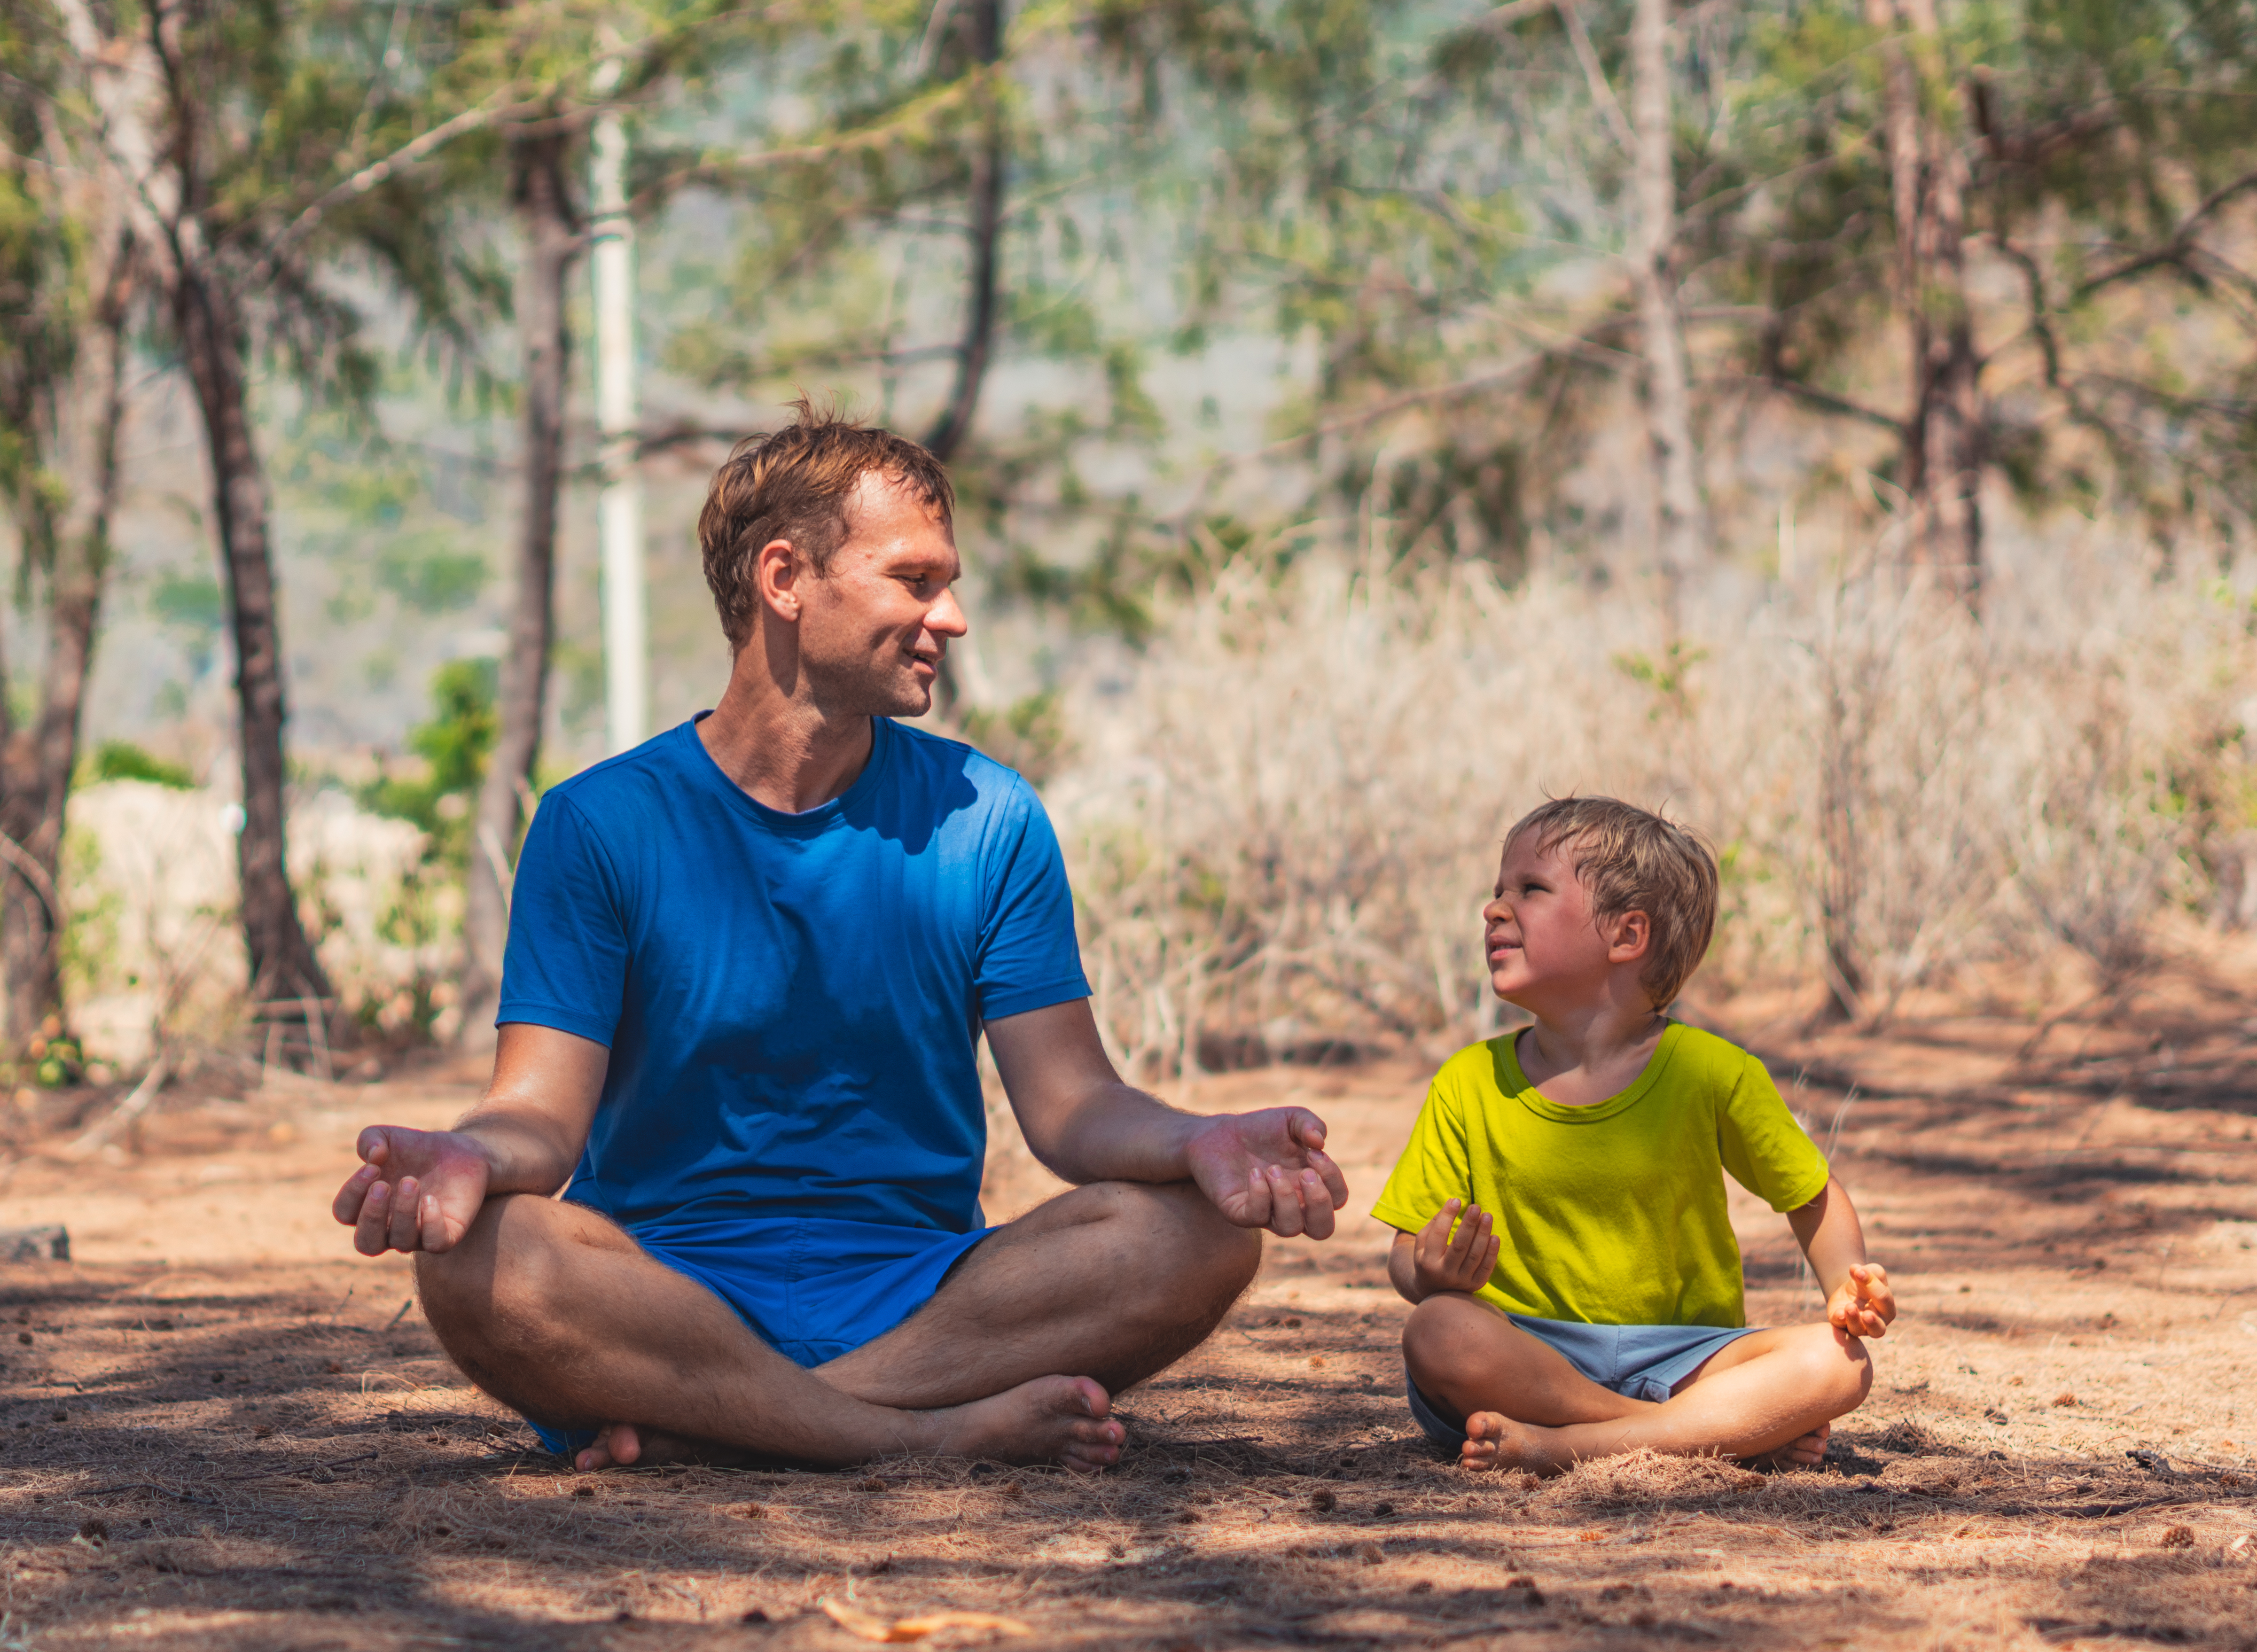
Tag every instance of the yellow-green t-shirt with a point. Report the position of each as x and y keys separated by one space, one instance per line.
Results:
x=1612 y=1214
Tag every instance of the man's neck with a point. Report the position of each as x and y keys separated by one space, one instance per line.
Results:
x=785 y=751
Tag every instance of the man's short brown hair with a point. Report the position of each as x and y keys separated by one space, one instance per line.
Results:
x=793 y=484
x=1630 y=859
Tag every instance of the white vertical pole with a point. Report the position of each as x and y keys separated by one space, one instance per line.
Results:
x=619 y=518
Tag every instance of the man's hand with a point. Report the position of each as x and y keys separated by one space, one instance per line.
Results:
x=1863 y=1304
x=415 y=1190
x=1440 y=1262
x=1268 y=1169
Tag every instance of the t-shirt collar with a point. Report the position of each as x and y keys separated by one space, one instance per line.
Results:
x=808 y=822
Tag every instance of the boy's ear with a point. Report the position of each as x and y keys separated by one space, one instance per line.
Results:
x=1629 y=936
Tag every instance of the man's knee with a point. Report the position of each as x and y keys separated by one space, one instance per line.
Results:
x=1196 y=1261
x=492 y=1294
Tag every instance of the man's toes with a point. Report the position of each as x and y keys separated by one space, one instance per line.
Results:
x=617 y=1446
x=1093 y=1399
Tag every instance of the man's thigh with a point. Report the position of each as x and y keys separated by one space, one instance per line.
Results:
x=538 y=1281
x=1113 y=1281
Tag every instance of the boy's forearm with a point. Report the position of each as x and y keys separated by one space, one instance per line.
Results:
x=1831 y=1237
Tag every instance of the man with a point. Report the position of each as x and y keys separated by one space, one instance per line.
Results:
x=749 y=964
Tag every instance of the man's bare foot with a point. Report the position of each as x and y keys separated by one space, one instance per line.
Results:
x=1063 y=1419
x=631 y=1446
x=1496 y=1441
x=1809 y=1451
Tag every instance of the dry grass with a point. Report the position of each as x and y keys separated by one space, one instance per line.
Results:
x=1283 y=818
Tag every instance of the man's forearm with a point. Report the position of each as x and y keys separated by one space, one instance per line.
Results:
x=524 y=1150
x=1118 y=1133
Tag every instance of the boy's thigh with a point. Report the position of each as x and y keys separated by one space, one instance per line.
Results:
x=1817 y=1352
x=1464 y=1355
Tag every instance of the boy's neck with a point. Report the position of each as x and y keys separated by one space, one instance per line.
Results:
x=1586 y=1054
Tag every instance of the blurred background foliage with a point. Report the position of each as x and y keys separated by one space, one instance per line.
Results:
x=1741 y=315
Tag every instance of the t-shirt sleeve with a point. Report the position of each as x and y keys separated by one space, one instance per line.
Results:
x=1435 y=1166
x=1029 y=957
x=1764 y=1149
x=566 y=965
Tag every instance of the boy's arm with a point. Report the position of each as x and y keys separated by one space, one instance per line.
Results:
x=1858 y=1298
x=1429 y=1261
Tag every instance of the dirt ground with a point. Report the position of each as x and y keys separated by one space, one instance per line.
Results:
x=226 y=1430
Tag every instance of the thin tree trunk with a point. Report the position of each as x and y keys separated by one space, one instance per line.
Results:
x=1943 y=441
x=282 y=961
x=41 y=759
x=984 y=18
x=1680 y=528
x=546 y=219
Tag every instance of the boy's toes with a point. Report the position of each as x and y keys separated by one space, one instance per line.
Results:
x=1494 y=1442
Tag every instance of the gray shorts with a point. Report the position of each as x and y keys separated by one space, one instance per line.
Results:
x=1645 y=1362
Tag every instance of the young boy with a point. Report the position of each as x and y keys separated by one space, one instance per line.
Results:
x=1590 y=1301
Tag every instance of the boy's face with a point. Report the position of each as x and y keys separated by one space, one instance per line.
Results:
x=1545 y=951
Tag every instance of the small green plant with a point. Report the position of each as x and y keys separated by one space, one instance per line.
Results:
x=122 y=760
x=1029 y=735
x=454 y=745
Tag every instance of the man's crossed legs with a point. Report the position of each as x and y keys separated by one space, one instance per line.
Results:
x=555 y=1311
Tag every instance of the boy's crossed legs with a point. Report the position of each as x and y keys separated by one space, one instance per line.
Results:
x=1769 y=1393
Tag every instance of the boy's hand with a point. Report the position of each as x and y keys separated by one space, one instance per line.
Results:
x=1863 y=1303
x=1465 y=1262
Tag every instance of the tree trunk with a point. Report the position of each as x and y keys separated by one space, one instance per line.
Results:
x=40 y=759
x=984 y=18
x=1680 y=528
x=282 y=963
x=545 y=217
x=1942 y=445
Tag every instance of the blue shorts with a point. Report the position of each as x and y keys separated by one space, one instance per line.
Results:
x=810 y=1288
x=1645 y=1362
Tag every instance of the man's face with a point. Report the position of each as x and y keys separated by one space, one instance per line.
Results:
x=1542 y=947
x=875 y=624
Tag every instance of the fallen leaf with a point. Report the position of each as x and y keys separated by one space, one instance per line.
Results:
x=856 y=1621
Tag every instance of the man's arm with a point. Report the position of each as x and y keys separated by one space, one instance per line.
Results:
x=1858 y=1297
x=1262 y=1169
x=420 y=1190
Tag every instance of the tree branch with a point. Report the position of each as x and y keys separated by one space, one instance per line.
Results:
x=1602 y=94
x=378 y=172
x=2174 y=251
x=1823 y=400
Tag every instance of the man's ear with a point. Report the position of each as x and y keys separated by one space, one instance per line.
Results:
x=1629 y=937
x=778 y=571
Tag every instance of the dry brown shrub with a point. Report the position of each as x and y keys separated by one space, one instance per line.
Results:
x=1638 y=1478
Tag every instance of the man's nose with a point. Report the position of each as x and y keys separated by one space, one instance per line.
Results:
x=946 y=617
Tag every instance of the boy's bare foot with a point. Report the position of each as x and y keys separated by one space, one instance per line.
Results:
x=1806 y=1452
x=1063 y=1419
x=1494 y=1441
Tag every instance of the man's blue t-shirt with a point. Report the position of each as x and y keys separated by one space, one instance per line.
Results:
x=792 y=1002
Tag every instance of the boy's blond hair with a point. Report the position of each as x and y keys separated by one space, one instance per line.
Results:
x=1631 y=859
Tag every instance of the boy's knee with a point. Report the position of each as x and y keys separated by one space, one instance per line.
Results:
x=1837 y=1368
x=1437 y=1337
